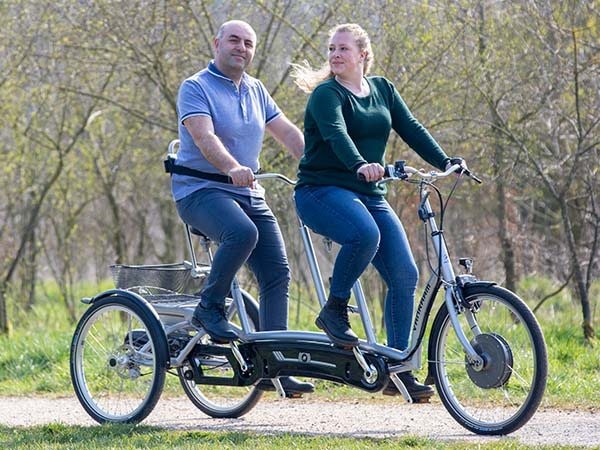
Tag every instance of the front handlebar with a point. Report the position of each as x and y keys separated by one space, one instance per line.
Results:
x=399 y=171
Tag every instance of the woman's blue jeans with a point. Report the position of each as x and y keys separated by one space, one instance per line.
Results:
x=246 y=231
x=369 y=231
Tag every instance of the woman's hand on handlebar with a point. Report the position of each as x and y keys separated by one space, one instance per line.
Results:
x=462 y=168
x=460 y=161
x=370 y=172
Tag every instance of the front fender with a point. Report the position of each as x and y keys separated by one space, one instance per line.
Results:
x=470 y=284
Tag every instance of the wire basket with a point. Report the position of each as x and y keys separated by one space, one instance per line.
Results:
x=176 y=278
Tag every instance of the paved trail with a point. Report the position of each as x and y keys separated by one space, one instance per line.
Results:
x=344 y=418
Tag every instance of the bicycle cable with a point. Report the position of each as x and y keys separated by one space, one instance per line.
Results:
x=442 y=208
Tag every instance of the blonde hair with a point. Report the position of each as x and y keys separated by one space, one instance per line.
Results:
x=307 y=78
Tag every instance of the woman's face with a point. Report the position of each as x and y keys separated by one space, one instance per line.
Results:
x=345 y=58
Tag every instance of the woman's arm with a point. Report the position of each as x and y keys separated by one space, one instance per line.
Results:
x=325 y=108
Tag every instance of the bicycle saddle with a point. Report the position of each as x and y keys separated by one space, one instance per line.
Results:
x=199 y=233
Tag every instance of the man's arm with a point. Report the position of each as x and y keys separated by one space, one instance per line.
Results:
x=288 y=134
x=203 y=132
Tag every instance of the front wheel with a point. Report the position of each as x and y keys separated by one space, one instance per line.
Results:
x=504 y=394
x=118 y=360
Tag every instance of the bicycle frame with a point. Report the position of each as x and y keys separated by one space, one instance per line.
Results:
x=398 y=360
x=407 y=359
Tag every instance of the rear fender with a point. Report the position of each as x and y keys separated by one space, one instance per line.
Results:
x=150 y=312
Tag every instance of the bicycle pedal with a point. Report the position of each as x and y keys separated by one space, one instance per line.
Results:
x=421 y=400
x=293 y=395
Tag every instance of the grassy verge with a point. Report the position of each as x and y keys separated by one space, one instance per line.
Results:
x=124 y=437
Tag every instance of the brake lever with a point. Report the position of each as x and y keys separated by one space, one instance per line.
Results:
x=472 y=176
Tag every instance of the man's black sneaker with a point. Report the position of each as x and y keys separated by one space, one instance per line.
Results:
x=420 y=393
x=212 y=318
x=333 y=320
x=293 y=387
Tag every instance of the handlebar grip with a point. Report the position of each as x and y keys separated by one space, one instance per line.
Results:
x=472 y=176
x=388 y=171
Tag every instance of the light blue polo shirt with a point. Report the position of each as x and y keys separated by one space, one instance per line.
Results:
x=239 y=118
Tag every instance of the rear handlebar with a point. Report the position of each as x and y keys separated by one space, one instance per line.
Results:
x=270 y=176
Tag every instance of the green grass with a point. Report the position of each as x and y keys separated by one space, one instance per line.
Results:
x=35 y=357
x=57 y=436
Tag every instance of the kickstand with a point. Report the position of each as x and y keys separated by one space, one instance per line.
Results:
x=278 y=387
x=400 y=385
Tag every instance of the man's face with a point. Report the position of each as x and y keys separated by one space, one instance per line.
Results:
x=234 y=50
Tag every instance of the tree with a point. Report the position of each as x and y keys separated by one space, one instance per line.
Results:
x=556 y=134
x=42 y=136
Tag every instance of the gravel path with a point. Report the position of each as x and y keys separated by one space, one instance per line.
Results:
x=387 y=418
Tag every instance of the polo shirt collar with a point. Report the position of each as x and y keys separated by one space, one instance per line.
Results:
x=212 y=68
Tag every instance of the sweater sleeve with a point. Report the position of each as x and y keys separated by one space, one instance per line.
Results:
x=414 y=134
x=325 y=105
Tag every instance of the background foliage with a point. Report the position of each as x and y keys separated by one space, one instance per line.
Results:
x=88 y=92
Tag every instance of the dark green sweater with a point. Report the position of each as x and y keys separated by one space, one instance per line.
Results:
x=343 y=131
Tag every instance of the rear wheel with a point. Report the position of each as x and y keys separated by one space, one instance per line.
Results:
x=503 y=395
x=118 y=360
x=215 y=400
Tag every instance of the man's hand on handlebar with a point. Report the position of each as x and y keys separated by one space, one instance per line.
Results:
x=370 y=172
x=242 y=176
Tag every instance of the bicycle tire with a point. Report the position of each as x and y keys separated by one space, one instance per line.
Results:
x=223 y=401
x=503 y=396
x=118 y=360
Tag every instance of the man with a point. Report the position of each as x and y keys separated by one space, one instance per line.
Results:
x=223 y=113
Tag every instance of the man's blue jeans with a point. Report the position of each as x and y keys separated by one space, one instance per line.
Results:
x=247 y=231
x=368 y=231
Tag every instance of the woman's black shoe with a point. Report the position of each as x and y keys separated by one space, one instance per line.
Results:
x=212 y=318
x=420 y=393
x=333 y=320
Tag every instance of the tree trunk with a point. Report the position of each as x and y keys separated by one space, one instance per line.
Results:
x=31 y=268
x=506 y=243
x=580 y=285
x=4 y=325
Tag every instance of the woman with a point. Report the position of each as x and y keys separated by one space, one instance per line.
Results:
x=347 y=124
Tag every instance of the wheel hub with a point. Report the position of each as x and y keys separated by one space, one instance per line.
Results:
x=497 y=361
x=121 y=363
